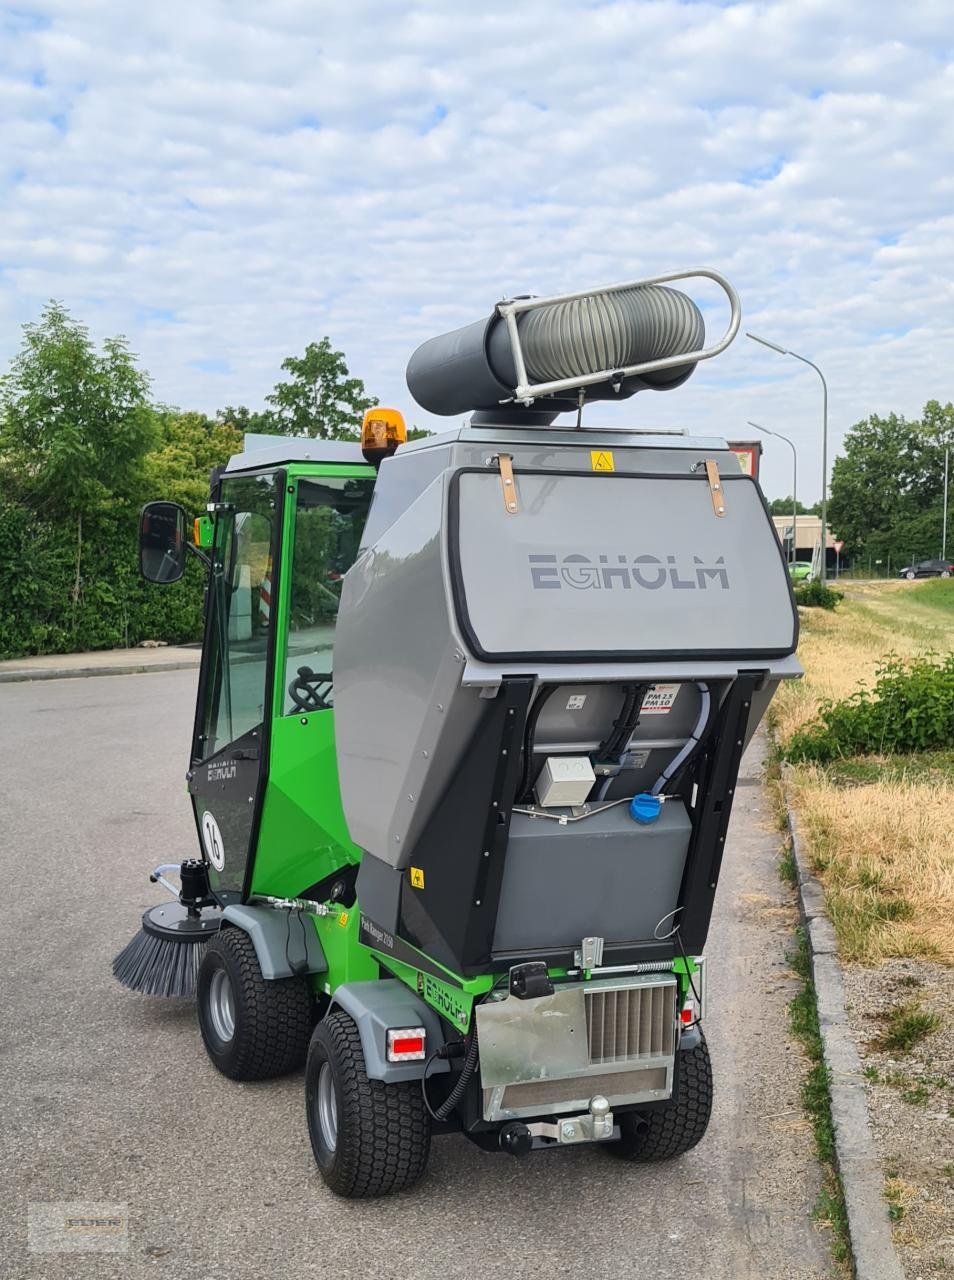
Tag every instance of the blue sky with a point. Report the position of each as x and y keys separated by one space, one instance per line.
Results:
x=225 y=182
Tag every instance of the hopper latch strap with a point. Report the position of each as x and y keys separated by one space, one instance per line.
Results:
x=716 y=488
x=507 y=483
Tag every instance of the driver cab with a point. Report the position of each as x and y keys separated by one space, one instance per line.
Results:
x=288 y=518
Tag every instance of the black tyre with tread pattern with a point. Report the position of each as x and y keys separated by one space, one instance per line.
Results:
x=670 y=1131
x=383 y=1131
x=272 y=1019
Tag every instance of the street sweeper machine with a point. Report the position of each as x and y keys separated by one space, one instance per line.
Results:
x=468 y=730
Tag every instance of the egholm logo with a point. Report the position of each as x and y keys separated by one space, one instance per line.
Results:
x=607 y=573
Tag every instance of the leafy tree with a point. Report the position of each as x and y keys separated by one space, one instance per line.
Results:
x=74 y=424
x=190 y=445
x=886 y=486
x=320 y=399
x=242 y=419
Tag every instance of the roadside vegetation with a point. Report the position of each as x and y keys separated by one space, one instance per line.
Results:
x=83 y=445
x=871 y=733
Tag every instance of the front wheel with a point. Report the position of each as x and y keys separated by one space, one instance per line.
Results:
x=910 y=575
x=671 y=1131
x=369 y=1138
x=252 y=1029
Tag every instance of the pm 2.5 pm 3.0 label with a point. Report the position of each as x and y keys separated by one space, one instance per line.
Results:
x=659 y=699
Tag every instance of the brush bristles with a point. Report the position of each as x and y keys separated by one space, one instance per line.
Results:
x=158 y=966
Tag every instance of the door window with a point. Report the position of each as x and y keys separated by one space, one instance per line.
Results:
x=240 y=607
x=329 y=520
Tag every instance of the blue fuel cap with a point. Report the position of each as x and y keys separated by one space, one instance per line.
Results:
x=645 y=808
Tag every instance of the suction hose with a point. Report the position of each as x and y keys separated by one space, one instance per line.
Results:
x=691 y=743
x=473 y=367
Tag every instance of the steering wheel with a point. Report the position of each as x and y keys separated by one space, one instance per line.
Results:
x=305 y=692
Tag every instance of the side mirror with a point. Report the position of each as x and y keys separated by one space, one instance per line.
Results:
x=162 y=542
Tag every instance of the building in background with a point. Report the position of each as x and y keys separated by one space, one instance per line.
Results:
x=807 y=533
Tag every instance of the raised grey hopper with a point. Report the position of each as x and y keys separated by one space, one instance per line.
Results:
x=474 y=640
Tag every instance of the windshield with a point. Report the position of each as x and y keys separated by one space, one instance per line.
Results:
x=329 y=520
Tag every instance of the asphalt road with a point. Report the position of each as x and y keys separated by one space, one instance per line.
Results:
x=108 y=1098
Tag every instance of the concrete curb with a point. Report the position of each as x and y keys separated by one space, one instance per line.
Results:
x=77 y=673
x=862 y=1177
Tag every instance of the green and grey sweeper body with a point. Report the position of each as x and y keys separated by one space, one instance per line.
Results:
x=467 y=739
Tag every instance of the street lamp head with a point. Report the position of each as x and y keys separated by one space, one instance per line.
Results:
x=758 y=426
x=765 y=343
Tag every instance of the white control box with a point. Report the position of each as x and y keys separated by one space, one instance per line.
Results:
x=564 y=780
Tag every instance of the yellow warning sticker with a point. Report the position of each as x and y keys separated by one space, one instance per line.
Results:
x=602 y=460
x=343 y=919
x=417 y=878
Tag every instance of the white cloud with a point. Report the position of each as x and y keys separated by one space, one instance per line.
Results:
x=225 y=182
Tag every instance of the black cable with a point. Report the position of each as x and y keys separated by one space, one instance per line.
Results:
x=427 y=1066
x=463 y=1080
x=529 y=733
x=692 y=983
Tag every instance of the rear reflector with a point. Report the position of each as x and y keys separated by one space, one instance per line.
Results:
x=406 y=1044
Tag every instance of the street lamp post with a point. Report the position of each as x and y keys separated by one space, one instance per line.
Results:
x=824 y=498
x=947 y=462
x=778 y=436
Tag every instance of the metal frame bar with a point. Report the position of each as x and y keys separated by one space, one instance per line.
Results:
x=525 y=392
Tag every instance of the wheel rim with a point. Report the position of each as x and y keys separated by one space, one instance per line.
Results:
x=222 y=1005
x=327 y=1107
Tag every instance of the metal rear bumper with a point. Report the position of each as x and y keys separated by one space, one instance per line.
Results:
x=614 y=1037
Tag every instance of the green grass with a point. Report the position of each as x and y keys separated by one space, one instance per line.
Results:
x=816 y=1101
x=918 y=1095
x=920 y=766
x=906 y=1026
x=936 y=593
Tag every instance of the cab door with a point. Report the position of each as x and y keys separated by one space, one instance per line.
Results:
x=233 y=714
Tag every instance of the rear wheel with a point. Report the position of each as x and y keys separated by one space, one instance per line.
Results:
x=945 y=573
x=670 y=1131
x=252 y=1029
x=368 y=1137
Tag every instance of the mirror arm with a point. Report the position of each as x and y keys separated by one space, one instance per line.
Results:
x=206 y=560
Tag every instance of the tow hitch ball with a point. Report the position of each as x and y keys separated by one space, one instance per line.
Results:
x=595 y=1125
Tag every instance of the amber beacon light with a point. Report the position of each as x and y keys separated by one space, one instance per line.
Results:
x=382 y=430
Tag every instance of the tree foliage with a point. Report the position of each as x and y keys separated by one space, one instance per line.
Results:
x=783 y=507
x=886 y=488
x=75 y=423
x=81 y=448
x=320 y=399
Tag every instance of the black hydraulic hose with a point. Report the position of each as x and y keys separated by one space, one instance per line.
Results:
x=463 y=1080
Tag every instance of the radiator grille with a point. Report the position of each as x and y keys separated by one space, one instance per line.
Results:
x=627 y=1023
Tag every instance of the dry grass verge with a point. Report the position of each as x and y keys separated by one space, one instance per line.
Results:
x=880 y=830
x=885 y=851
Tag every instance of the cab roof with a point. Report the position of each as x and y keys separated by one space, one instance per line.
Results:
x=263 y=451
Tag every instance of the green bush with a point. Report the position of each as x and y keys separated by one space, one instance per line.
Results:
x=815 y=595
x=910 y=708
x=41 y=611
